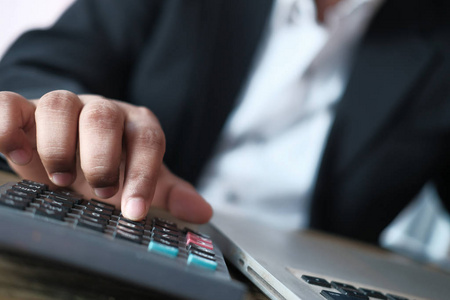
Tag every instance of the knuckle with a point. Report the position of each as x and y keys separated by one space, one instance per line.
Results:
x=153 y=138
x=58 y=101
x=102 y=113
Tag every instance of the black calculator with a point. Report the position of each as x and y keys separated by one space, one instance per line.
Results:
x=155 y=253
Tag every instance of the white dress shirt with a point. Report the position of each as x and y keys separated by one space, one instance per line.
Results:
x=265 y=164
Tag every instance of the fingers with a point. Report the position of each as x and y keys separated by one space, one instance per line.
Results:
x=145 y=147
x=16 y=128
x=101 y=127
x=56 y=132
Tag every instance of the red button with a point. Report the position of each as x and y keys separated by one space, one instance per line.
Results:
x=199 y=241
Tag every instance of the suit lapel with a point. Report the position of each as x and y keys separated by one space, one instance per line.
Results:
x=391 y=58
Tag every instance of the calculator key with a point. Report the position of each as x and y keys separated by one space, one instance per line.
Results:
x=130 y=230
x=29 y=190
x=329 y=295
x=128 y=224
x=316 y=281
x=168 y=242
x=187 y=230
x=192 y=247
x=51 y=206
x=199 y=243
x=101 y=221
x=195 y=260
x=94 y=215
x=202 y=254
x=53 y=202
x=165 y=236
x=99 y=210
x=51 y=213
x=91 y=225
x=373 y=294
x=15 y=198
x=42 y=186
x=20 y=205
x=20 y=194
x=103 y=205
x=156 y=246
x=158 y=229
x=194 y=236
x=128 y=236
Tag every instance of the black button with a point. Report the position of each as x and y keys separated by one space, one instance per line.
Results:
x=128 y=224
x=91 y=225
x=54 y=202
x=165 y=236
x=201 y=249
x=329 y=295
x=13 y=204
x=348 y=289
x=53 y=206
x=165 y=241
x=99 y=210
x=95 y=220
x=42 y=186
x=316 y=281
x=29 y=190
x=95 y=215
x=128 y=236
x=338 y=285
x=159 y=230
x=16 y=193
x=373 y=294
x=103 y=205
x=202 y=254
x=51 y=213
x=130 y=230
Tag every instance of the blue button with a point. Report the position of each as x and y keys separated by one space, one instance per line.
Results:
x=201 y=262
x=160 y=248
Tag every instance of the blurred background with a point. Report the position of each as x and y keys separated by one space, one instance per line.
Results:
x=17 y=16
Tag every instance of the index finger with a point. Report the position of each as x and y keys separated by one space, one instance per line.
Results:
x=145 y=146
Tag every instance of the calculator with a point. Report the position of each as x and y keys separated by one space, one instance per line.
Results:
x=156 y=253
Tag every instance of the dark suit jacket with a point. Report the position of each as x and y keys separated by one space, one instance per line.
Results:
x=187 y=61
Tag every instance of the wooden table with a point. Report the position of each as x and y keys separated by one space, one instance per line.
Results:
x=27 y=277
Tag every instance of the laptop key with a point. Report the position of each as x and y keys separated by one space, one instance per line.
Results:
x=373 y=294
x=329 y=295
x=316 y=281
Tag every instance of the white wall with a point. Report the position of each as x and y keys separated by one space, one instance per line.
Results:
x=17 y=16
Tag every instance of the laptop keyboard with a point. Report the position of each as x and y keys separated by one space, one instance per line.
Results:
x=182 y=250
x=344 y=291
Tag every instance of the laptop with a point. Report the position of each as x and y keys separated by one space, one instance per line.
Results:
x=313 y=265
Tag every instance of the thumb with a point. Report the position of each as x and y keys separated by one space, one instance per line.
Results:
x=180 y=198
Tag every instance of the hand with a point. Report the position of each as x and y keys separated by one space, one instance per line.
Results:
x=98 y=147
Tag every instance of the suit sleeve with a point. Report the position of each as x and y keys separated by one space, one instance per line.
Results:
x=91 y=49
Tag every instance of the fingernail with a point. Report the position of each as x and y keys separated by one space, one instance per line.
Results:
x=105 y=192
x=62 y=179
x=19 y=156
x=135 y=209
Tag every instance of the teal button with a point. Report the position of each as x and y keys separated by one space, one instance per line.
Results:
x=201 y=262
x=156 y=247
